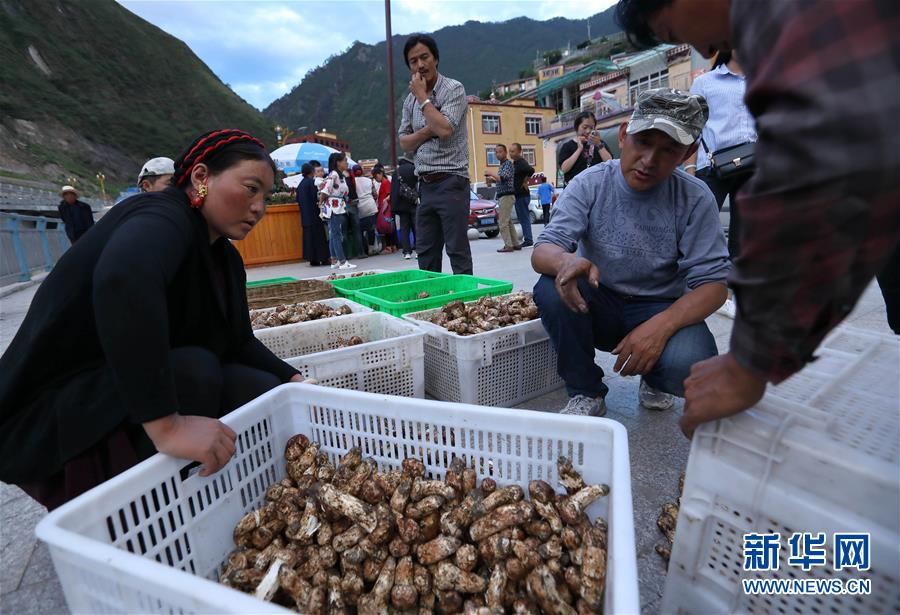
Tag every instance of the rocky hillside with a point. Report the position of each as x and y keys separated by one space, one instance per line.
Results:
x=87 y=86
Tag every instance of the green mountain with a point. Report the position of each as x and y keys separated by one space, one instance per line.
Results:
x=347 y=95
x=87 y=86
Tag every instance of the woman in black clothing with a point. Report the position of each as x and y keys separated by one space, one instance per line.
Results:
x=404 y=200
x=315 y=242
x=139 y=339
x=585 y=150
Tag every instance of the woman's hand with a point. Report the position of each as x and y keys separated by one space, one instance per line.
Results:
x=198 y=438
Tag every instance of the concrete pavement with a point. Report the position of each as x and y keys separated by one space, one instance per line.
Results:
x=658 y=450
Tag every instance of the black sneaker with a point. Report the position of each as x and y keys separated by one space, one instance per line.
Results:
x=527 y=244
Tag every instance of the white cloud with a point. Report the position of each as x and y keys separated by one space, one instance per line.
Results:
x=263 y=49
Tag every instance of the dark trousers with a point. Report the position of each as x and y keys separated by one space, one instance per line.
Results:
x=720 y=189
x=354 y=245
x=609 y=319
x=889 y=281
x=407 y=224
x=545 y=220
x=204 y=386
x=442 y=218
x=367 y=231
x=524 y=217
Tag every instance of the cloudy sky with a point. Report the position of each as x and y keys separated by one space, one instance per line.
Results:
x=262 y=49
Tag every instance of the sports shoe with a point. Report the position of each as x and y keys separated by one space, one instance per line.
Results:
x=334 y=265
x=527 y=244
x=654 y=399
x=407 y=256
x=582 y=405
x=347 y=265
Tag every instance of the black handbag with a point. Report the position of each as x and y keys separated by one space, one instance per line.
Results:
x=732 y=162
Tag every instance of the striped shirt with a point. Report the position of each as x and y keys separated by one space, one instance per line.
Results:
x=729 y=121
x=450 y=155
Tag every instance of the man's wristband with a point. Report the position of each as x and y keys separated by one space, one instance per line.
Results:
x=423 y=103
x=690 y=166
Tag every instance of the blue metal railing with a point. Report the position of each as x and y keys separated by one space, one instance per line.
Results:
x=29 y=244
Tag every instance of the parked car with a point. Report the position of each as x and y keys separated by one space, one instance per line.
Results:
x=483 y=215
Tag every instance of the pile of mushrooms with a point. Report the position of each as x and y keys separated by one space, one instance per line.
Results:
x=486 y=314
x=295 y=312
x=354 y=539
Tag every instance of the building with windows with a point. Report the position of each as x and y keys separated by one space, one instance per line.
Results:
x=323 y=138
x=508 y=88
x=517 y=121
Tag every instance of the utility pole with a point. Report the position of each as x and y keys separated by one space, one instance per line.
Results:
x=589 y=29
x=392 y=121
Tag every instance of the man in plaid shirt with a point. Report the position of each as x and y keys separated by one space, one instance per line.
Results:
x=821 y=212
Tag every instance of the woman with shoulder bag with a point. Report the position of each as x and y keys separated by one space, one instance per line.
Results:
x=404 y=200
x=385 y=224
x=724 y=160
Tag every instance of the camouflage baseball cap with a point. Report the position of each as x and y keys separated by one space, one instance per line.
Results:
x=681 y=115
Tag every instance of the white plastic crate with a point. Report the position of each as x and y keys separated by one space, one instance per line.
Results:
x=390 y=359
x=503 y=367
x=152 y=539
x=819 y=453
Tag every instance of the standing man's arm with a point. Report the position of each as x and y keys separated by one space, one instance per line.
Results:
x=409 y=140
x=820 y=214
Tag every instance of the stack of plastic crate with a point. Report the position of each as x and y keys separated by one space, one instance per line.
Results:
x=818 y=454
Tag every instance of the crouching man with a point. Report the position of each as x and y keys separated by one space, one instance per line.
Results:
x=634 y=259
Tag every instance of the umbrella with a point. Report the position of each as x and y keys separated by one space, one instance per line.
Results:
x=290 y=157
x=293 y=181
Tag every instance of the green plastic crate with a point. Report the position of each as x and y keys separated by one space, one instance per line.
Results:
x=348 y=287
x=400 y=299
x=269 y=282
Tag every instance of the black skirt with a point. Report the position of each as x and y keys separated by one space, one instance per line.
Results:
x=315 y=245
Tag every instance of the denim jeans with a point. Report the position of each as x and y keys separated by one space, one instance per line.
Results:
x=337 y=226
x=524 y=217
x=610 y=318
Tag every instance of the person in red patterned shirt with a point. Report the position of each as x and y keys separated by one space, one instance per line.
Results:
x=822 y=212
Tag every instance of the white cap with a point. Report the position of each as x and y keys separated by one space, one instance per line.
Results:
x=157 y=166
x=67 y=188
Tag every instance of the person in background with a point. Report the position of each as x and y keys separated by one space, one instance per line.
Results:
x=730 y=124
x=318 y=173
x=585 y=150
x=75 y=214
x=384 y=223
x=156 y=174
x=367 y=195
x=634 y=260
x=506 y=199
x=545 y=193
x=819 y=217
x=404 y=200
x=145 y=353
x=433 y=126
x=315 y=242
x=335 y=191
x=354 y=242
x=522 y=172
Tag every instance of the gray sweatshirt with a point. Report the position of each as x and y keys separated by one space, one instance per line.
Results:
x=658 y=243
